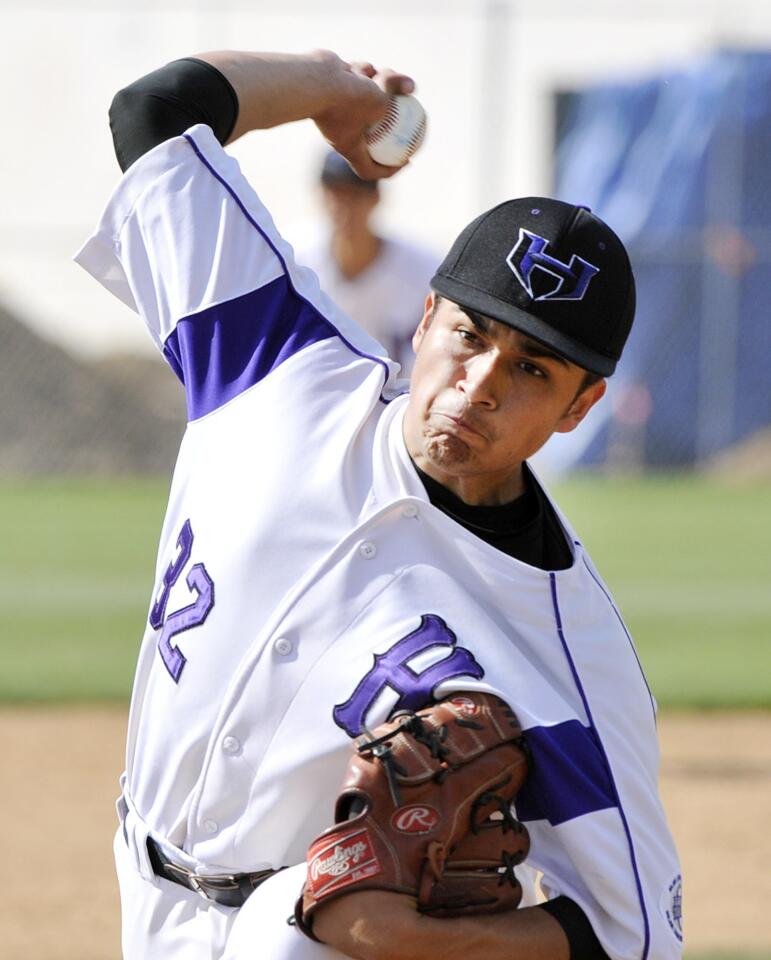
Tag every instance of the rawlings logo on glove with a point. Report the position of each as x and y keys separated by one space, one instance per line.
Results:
x=425 y=810
x=352 y=858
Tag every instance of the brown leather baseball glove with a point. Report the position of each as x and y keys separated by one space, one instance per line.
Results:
x=424 y=810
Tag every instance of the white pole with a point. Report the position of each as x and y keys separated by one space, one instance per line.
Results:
x=495 y=107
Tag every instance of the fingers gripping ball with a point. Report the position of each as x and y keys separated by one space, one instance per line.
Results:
x=394 y=139
x=424 y=810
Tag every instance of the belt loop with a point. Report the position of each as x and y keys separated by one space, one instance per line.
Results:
x=135 y=833
x=121 y=808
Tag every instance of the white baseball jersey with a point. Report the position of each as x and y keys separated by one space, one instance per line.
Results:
x=306 y=587
x=386 y=299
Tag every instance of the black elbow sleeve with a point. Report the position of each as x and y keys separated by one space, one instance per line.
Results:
x=166 y=102
x=583 y=941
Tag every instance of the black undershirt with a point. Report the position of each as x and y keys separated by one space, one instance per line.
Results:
x=526 y=528
x=167 y=102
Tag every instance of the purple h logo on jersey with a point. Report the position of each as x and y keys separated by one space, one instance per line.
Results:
x=529 y=254
x=392 y=670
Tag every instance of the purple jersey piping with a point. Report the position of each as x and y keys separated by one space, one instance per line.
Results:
x=585 y=701
x=628 y=636
x=281 y=260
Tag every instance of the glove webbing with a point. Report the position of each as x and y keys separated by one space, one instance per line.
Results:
x=430 y=736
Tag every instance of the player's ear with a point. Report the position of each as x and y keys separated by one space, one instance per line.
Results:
x=581 y=405
x=425 y=322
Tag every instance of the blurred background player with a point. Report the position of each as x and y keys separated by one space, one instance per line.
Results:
x=379 y=281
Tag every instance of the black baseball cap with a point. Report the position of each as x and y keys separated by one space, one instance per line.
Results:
x=336 y=170
x=551 y=270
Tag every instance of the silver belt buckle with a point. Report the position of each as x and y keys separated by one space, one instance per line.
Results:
x=221 y=881
x=207 y=885
x=195 y=881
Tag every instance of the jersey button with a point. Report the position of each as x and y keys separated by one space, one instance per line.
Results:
x=283 y=646
x=210 y=826
x=231 y=745
x=367 y=549
x=410 y=511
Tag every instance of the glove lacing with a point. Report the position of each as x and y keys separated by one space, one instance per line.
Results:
x=381 y=748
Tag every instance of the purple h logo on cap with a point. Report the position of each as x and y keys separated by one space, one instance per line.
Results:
x=529 y=254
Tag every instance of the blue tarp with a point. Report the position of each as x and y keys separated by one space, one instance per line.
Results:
x=680 y=166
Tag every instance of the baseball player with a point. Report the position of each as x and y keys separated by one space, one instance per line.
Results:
x=380 y=281
x=334 y=552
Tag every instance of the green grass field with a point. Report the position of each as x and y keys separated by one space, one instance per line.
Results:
x=688 y=955
x=76 y=577
x=688 y=561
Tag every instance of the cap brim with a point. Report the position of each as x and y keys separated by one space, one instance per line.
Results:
x=534 y=327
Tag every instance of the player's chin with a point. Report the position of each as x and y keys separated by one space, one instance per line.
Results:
x=445 y=450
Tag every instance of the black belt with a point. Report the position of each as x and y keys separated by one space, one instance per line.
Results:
x=228 y=889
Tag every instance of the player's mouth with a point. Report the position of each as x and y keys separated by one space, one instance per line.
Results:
x=462 y=424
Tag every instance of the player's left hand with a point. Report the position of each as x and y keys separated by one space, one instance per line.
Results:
x=361 y=100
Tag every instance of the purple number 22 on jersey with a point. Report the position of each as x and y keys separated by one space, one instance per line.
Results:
x=200 y=583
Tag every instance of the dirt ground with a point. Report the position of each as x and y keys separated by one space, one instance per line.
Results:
x=60 y=772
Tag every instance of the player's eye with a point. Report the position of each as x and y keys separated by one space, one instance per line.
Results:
x=531 y=369
x=468 y=335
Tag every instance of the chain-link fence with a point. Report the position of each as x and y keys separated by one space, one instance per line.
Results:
x=63 y=415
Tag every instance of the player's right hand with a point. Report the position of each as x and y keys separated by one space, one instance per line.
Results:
x=359 y=99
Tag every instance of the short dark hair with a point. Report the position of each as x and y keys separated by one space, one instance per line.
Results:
x=589 y=380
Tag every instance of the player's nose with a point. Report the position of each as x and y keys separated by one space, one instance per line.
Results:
x=480 y=380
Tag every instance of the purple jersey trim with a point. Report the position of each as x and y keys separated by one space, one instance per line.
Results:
x=627 y=831
x=227 y=348
x=628 y=635
x=569 y=777
x=312 y=317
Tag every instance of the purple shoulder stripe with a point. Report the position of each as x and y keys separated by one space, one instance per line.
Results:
x=225 y=349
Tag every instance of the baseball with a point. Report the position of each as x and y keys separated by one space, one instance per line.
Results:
x=394 y=139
